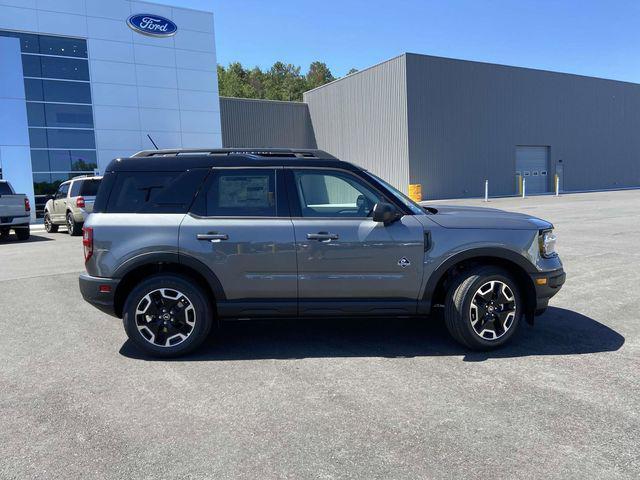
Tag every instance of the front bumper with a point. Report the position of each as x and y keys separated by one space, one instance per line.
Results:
x=90 y=288
x=547 y=284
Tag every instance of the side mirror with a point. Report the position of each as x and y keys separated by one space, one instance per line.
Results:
x=385 y=213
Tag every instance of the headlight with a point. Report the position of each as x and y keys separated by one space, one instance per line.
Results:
x=548 y=243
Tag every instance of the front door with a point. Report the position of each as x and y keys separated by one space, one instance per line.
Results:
x=347 y=263
x=245 y=236
x=59 y=203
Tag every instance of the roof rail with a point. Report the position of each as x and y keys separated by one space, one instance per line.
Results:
x=257 y=152
x=84 y=175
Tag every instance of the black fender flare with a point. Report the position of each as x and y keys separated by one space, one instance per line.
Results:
x=480 y=252
x=154 y=258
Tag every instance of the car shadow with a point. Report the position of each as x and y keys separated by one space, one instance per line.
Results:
x=12 y=238
x=557 y=332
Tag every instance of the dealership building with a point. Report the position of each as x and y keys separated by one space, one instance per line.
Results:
x=85 y=81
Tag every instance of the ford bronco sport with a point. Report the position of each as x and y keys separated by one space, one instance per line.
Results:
x=181 y=238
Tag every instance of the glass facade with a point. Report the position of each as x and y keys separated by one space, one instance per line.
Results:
x=59 y=111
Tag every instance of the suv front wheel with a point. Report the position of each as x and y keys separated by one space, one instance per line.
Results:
x=167 y=316
x=483 y=308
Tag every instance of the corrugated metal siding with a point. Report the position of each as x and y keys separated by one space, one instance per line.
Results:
x=265 y=123
x=466 y=119
x=362 y=119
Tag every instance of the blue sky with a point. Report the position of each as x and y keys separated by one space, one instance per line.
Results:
x=588 y=37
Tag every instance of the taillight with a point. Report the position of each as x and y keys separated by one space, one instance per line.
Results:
x=80 y=202
x=87 y=242
x=27 y=205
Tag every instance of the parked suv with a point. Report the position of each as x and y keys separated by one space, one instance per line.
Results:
x=180 y=239
x=71 y=205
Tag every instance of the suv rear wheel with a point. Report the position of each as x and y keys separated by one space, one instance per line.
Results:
x=483 y=308
x=167 y=316
x=74 y=228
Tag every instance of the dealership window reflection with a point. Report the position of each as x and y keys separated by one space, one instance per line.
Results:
x=59 y=110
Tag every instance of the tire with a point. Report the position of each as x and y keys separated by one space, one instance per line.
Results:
x=492 y=318
x=146 y=300
x=23 y=233
x=74 y=228
x=4 y=233
x=49 y=226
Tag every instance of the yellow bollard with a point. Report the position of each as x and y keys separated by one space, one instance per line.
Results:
x=519 y=184
x=415 y=192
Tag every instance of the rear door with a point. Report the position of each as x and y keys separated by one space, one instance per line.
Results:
x=347 y=263
x=240 y=228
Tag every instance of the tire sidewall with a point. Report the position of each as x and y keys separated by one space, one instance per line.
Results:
x=47 y=222
x=23 y=233
x=472 y=288
x=71 y=224
x=202 y=306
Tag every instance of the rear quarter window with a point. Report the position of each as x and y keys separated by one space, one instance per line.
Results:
x=154 y=192
x=85 y=188
x=5 y=189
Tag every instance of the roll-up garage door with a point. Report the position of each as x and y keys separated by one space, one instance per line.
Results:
x=532 y=162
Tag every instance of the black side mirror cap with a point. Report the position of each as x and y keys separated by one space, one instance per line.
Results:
x=385 y=213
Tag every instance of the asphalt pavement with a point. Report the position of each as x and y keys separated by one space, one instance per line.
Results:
x=331 y=399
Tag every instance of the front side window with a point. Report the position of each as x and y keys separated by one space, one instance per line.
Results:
x=62 y=191
x=242 y=193
x=334 y=194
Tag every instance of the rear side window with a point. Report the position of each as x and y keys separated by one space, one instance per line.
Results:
x=242 y=193
x=85 y=188
x=154 y=192
x=5 y=189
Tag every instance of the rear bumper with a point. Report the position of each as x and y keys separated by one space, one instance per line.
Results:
x=15 y=222
x=90 y=288
x=80 y=215
x=553 y=281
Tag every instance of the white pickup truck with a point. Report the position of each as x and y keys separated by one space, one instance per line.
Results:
x=15 y=212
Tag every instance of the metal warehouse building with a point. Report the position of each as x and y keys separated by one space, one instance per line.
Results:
x=450 y=124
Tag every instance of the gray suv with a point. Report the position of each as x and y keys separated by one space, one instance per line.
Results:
x=180 y=239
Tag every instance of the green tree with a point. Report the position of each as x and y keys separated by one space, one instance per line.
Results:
x=353 y=70
x=283 y=81
x=318 y=75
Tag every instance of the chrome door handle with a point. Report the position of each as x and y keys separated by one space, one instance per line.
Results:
x=322 y=236
x=212 y=237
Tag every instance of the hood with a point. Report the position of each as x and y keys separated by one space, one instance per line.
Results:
x=480 y=217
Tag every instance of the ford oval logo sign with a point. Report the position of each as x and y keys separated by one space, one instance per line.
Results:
x=153 y=25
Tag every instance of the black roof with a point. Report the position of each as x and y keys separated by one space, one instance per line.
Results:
x=183 y=159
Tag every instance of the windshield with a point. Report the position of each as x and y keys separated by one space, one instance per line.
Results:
x=406 y=201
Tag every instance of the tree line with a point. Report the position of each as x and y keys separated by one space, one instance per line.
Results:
x=280 y=82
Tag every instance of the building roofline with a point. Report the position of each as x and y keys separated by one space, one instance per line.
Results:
x=175 y=6
x=356 y=73
x=244 y=99
x=520 y=67
x=405 y=54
